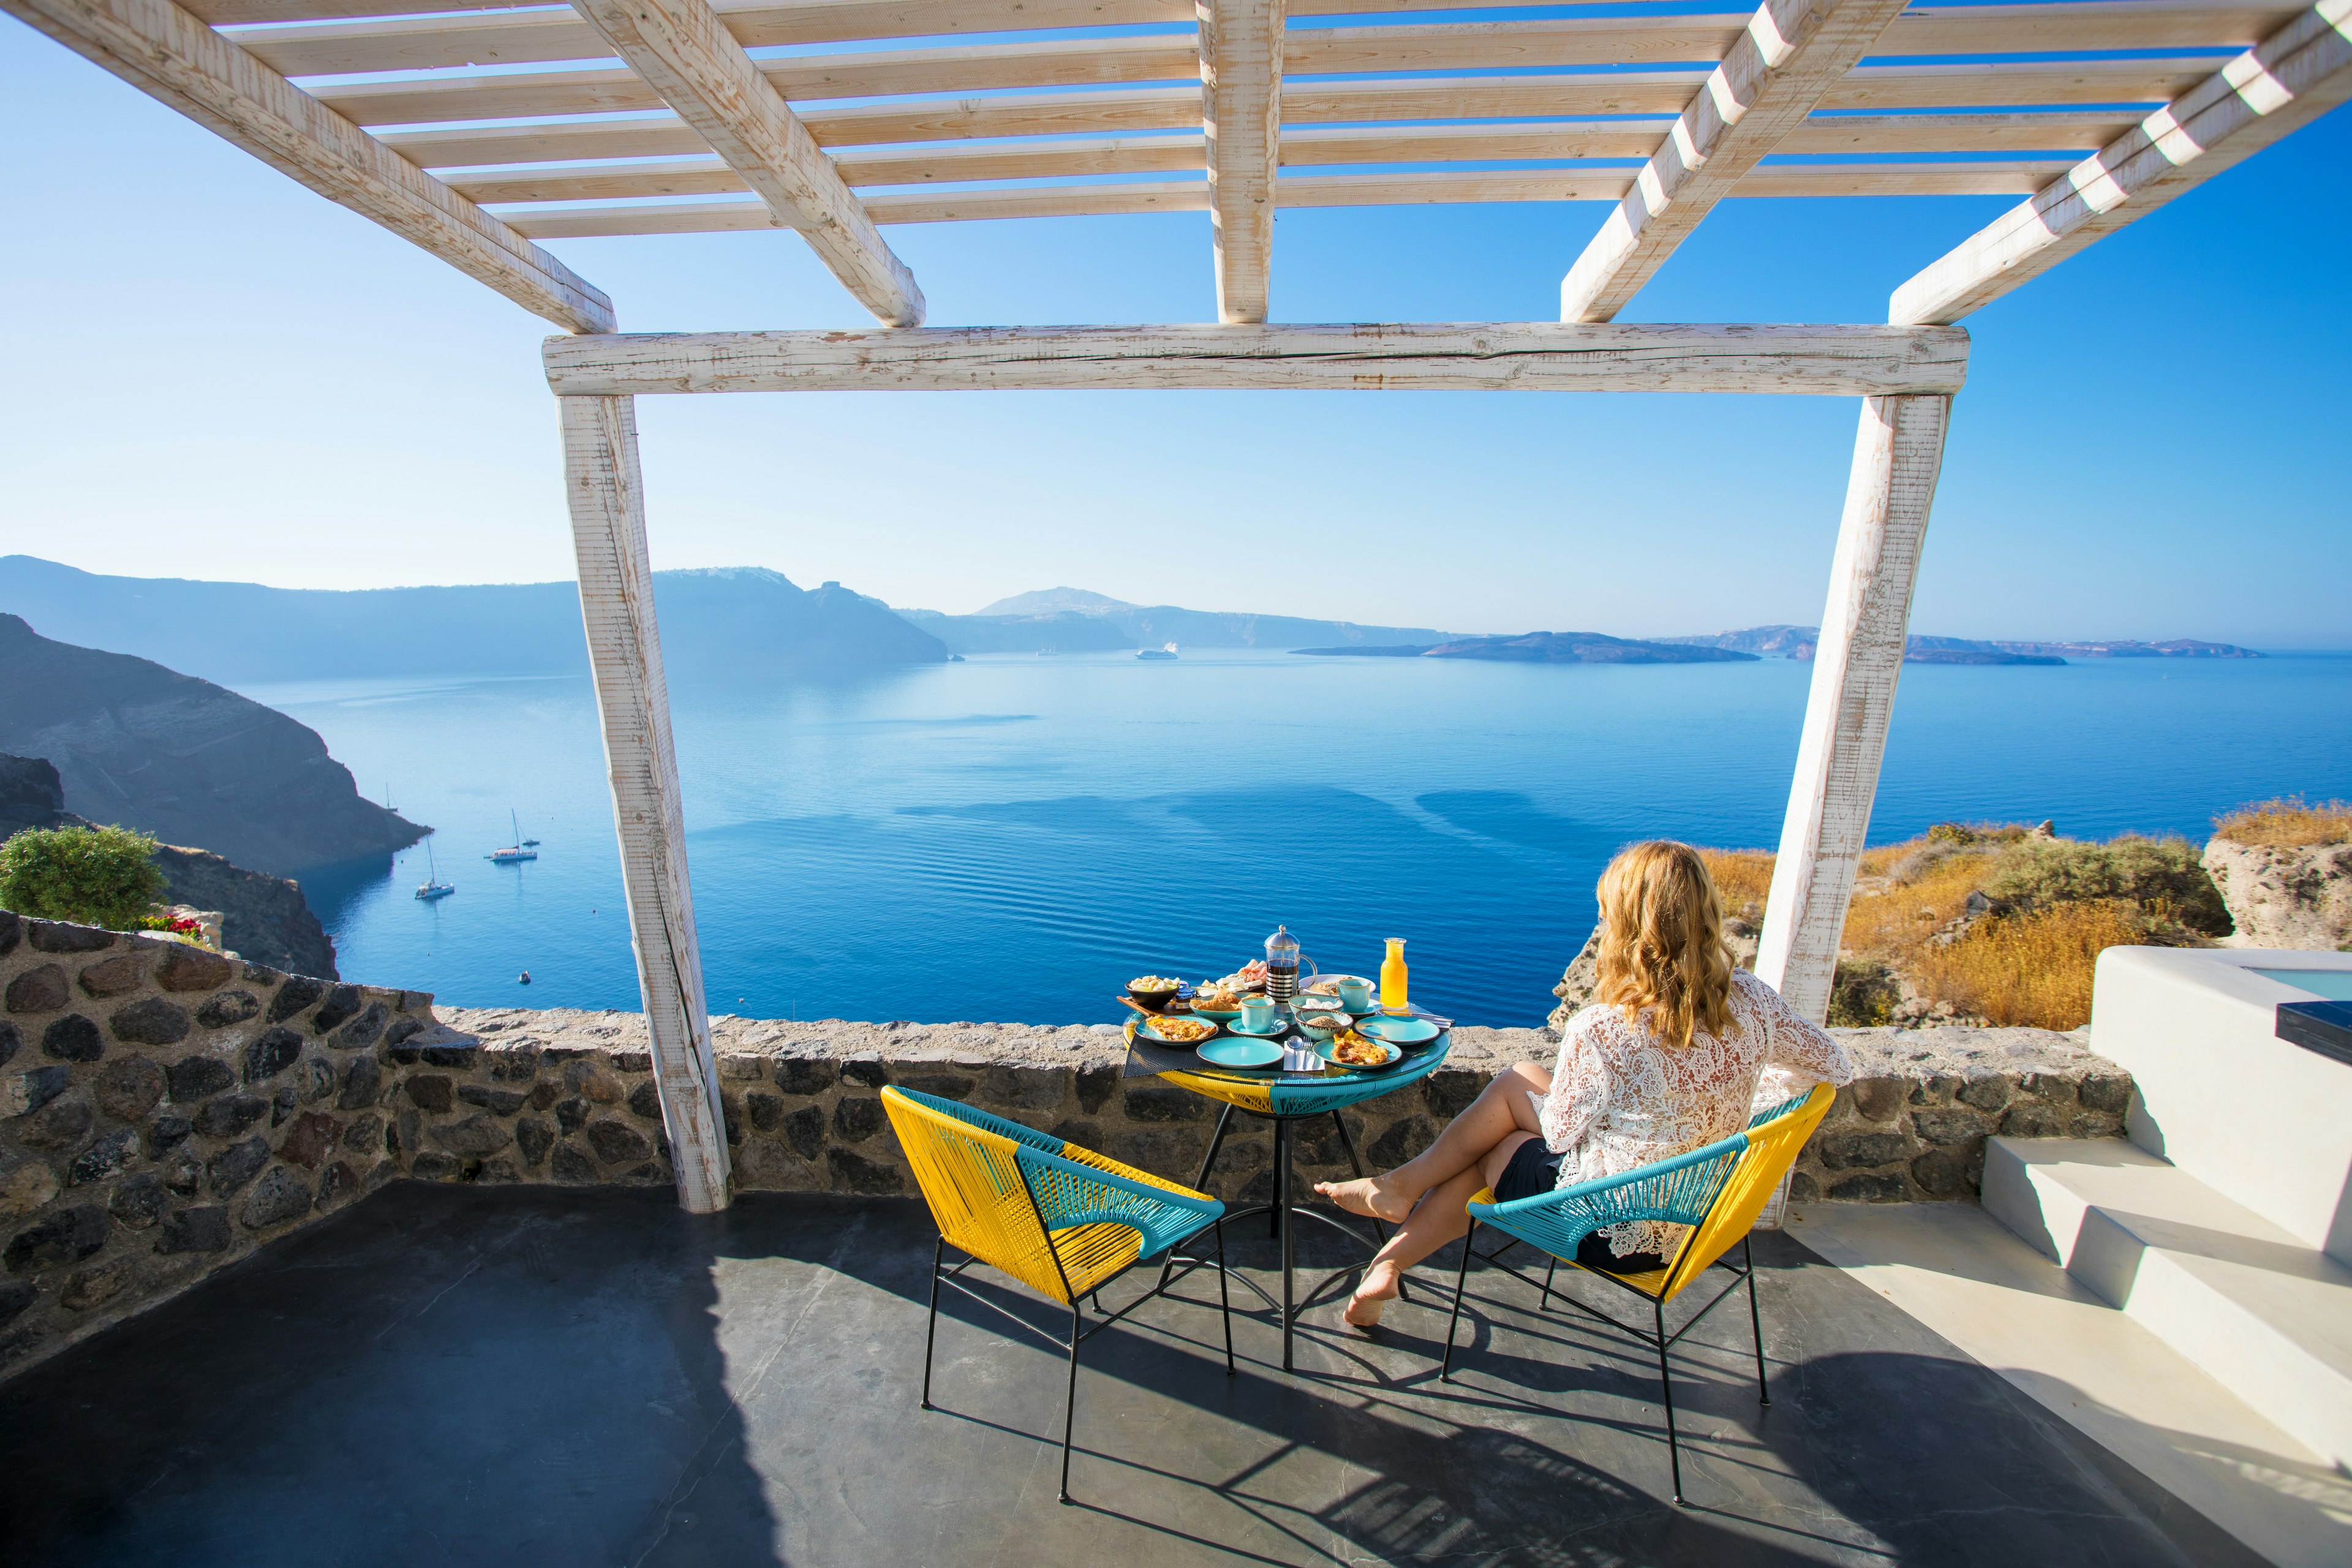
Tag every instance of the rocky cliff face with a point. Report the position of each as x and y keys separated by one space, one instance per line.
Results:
x=264 y=920
x=182 y=759
x=2299 y=898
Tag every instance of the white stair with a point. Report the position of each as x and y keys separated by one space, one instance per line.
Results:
x=2266 y=1314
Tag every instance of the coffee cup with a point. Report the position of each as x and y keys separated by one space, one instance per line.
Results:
x=1356 y=995
x=1257 y=1013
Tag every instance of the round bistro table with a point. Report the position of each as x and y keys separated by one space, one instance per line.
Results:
x=1285 y=1098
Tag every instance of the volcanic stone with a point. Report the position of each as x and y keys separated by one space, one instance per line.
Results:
x=853 y=1172
x=857 y=1118
x=363 y=1031
x=804 y=1130
x=271 y=1054
x=298 y=992
x=41 y=989
x=228 y=1007
x=1868 y=1189
x=103 y=1158
x=183 y=1173
x=572 y=1114
x=498 y=1101
x=26 y=1185
x=310 y=1140
x=342 y=1005
x=197 y=1077
x=646 y=1101
x=236 y=1164
x=139 y=1201
x=362 y=1083
x=615 y=1142
x=278 y=1197
x=168 y=1130
x=764 y=1110
x=475 y=1136
x=56 y=1124
x=129 y=1088
x=116 y=976
x=1164 y=1102
x=87 y=1288
x=431 y=1091
x=38 y=1087
x=150 y=1021
x=55 y=936
x=593 y=1081
x=196 y=1230
x=73 y=1038
x=434 y=1166
x=338 y=1185
x=796 y=1077
x=230 y=1114
x=16 y=1295
x=1841 y=1150
x=69 y=1235
x=185 y=968
x=11 y=1042
x=571 y=1163
x=534 y=1138
x=402 y=1029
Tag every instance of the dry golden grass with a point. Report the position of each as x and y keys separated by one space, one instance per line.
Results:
x=2288 y=824
x=1743 y=876
x=2033 y=969
x=1891 y=922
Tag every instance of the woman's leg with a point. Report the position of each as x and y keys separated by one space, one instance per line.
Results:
x=1441 y=1217
x=1501 y=1110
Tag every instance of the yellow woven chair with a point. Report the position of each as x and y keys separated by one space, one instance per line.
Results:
x=1717 y=1191
x=1063 y=1220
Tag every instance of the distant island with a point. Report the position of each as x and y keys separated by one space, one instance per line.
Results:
x=1549 y=647
x=1073 y=620
x=1798 y=643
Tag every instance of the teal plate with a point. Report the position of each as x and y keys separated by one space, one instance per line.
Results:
x=1325 y=1050
x=1281 y=1027
x=1222 y=1015
x=1150 y=1029
x=1398 y=1031
x=1231 y=1053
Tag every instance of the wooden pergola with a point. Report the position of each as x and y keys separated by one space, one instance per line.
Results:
x=2092 y=111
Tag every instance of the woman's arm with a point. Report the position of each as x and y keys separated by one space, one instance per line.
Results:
x=1579 y=1085
x=1807 y=1053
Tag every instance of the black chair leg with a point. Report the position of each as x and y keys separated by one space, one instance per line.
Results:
x=1200 y=1185
x=939 y=1254
x=1755 y=1322
x=1224 y=1302
x=1070 y=1405
x=1550 y=1269
x=1461 y=1279
x=1666 y=1385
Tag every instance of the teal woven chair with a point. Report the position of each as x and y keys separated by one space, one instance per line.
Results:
x=1718 y=1192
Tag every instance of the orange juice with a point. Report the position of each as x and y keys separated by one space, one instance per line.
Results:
x=1393 y=977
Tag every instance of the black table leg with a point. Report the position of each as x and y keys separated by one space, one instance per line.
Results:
x=1282 y=1212
x=1200 y=1183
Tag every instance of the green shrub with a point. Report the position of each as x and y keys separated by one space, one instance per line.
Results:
x=1863 y=994
x=91 y=876
x=2161 y=875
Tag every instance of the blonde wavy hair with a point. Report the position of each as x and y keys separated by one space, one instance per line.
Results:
x=1662 y=948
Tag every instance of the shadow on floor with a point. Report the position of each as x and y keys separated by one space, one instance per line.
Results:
x=524 y=1375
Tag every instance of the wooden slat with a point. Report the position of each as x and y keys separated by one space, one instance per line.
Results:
x=681 y=49
x=1791 y=55
x=605 y=491
x=172 y=57
x=516 y=37
x=653 y=136
x=1897 y=455
x=2035 y=131
x=1309 y=146
x=2292 y=78
x=1527 y=357
x=1241 y=61
x=1315 y=101
x=1421 y=189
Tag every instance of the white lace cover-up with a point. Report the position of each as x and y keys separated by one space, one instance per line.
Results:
x=1621 y=1097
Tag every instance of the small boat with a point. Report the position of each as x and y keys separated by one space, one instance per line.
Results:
x=1167 y=652
x=520 y=850
x=432 y=886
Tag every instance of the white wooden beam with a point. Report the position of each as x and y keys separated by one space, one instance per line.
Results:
x=2279 y=84
x=606 y=492
x=684 y=52
x=1533 y=356
x=1865 y=627
x=1241 y=116
x=1792 y=54
x=169 y=55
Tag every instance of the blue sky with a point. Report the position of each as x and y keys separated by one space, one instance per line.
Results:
x=218 y=375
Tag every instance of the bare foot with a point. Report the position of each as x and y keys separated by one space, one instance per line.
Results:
x=1364 y=1308
x=1366 y=1196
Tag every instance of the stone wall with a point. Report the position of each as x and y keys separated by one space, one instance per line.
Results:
x=163 y=1111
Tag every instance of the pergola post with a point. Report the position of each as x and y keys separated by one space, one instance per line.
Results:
x=1864 y=628
x=606 y=493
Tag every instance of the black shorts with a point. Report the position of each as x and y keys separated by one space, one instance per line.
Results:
x=1534 y=1170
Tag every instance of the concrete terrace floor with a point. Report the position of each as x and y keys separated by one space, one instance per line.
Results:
x=535 y=1375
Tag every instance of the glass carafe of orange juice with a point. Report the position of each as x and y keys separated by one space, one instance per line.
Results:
x=1393 y=977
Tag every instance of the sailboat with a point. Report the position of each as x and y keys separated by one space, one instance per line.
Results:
x=517 y=851
x=433 y=887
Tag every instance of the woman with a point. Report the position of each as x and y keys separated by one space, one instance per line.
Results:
x=1664 y=1060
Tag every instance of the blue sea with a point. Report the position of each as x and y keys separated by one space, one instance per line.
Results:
x=1012 y=838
